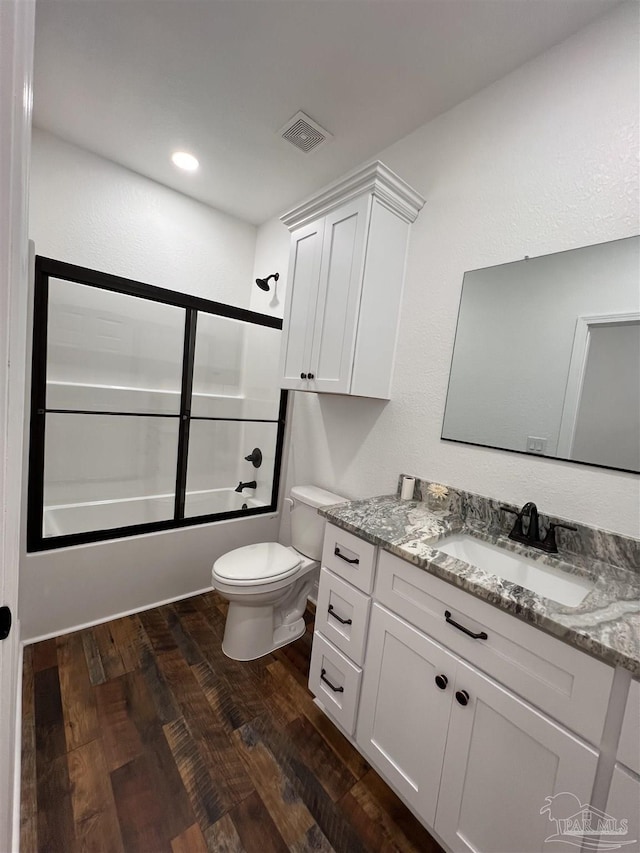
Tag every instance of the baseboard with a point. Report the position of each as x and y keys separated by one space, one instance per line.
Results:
x=17 y=757
x=113 y=616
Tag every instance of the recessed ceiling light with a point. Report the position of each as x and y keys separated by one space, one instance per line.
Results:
x=184 y=161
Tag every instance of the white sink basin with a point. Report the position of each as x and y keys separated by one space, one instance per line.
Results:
x=547 y=581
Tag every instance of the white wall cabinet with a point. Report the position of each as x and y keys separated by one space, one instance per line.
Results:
x=346 y=269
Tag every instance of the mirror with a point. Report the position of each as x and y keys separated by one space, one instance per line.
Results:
x=546 y=358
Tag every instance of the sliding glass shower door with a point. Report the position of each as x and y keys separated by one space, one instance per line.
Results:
x=145 y=403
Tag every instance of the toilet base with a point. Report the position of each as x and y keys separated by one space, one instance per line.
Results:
x=249 y=632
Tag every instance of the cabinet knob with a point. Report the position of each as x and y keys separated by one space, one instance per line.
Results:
x=442 y=681
x=303 y=376
x=462 y=697
x=310 y=376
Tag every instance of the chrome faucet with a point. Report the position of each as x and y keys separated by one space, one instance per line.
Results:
x=532 y=535
x=251 y=485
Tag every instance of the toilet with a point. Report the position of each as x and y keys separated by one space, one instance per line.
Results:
x=267 y=584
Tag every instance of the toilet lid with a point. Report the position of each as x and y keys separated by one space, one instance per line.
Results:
x=263 y=561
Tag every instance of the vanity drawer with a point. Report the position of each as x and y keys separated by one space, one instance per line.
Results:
x=350 y=557
x=342 y=613
x=562 y=681
x=335 y=682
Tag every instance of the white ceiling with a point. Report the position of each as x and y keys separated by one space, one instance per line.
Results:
x=133 y=80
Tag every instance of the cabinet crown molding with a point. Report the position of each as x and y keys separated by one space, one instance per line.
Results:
x=375 y=178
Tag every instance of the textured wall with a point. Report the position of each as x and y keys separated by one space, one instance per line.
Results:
x=89 y=211
x=544 y=160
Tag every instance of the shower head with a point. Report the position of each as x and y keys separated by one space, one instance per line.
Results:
x=263 y=283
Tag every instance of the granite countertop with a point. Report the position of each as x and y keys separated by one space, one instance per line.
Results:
x=606 y=624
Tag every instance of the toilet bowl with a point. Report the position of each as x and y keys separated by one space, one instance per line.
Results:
x=267 y=584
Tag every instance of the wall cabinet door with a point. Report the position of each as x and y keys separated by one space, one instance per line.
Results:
x=403 y=717
x=346 y=268
x=302 y=297
x=336 y=316
x=503 y=759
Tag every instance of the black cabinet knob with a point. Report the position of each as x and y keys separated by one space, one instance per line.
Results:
x=462 y=697
x=442 y=681
x=311 y=376
x=303 y=376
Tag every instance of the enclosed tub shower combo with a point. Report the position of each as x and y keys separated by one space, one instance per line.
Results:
x=151 y=409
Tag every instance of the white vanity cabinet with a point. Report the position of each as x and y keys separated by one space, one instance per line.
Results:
x=471 y=715
x=473 y=760
x=346 y=270
x=342 y=620
x=624 y=795
x=404 y=716
x=502 y=760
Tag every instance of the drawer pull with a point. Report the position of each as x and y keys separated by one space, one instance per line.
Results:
x=332 y=612
x=479 y=636
x=336 y=551
x=323 y=677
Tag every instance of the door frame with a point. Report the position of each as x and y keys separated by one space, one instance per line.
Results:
x=17 y=27
x=577 y=368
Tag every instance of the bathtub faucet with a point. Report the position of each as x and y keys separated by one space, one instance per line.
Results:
x=241 y=486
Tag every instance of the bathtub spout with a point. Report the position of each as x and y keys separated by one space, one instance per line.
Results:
x=241 y=486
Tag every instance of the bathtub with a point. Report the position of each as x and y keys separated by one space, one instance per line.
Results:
x=63 y=519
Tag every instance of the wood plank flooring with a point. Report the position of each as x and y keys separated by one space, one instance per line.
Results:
x=140 y=735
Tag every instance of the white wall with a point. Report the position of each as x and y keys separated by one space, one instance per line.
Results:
x=542 y=161
x=88 y=211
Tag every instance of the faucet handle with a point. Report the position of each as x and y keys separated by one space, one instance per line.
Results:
x=517 y=532
x=508 y=509
x=549 y=543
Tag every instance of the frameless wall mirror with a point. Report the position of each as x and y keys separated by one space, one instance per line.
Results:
x=546 y=358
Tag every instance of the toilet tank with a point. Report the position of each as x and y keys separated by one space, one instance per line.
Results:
x=307 y=527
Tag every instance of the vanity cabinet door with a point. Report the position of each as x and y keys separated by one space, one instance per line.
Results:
x=503 y=758
x=302 y=298
x=624 y=804
x=403 y=717
x=629 y=743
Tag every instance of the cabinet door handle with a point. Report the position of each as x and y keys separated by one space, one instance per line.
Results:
x=462 y=697
x=310 y=376
x=353 y=562
x=332 y=612
x=323 y=677
x=442 y=681
x=479 y=636
x=303 y=376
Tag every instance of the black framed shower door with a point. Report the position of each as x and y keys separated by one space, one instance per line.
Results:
x=64 y=426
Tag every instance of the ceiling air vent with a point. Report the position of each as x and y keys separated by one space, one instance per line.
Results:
x=304 y=133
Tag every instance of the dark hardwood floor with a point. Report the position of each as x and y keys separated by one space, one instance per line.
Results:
x=140 y=735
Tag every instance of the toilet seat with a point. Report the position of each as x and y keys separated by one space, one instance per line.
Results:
x=262 y=563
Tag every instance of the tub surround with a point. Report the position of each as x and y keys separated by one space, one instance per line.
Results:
x=606 y=624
